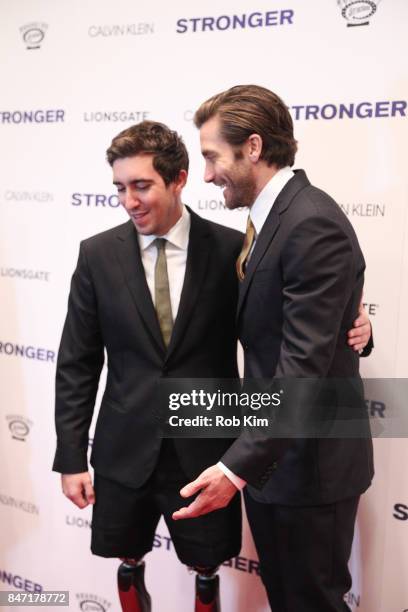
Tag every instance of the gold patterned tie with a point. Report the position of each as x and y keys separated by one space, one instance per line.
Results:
x=162 y=292
x=246 y=249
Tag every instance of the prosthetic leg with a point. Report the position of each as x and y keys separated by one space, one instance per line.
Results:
x=132 y=591
x=207 y=598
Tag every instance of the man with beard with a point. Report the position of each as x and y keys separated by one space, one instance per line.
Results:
x=301 y=275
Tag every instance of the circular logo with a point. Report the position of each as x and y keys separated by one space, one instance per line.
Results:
x=89 y=605
x=359 y=10
x=33 y=36
x=19 y=429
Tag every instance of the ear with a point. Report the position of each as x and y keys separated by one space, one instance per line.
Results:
x=181 y=180
x=254 y=143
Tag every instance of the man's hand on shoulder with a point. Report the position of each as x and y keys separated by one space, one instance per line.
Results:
x=216 y=491
x=78 y=488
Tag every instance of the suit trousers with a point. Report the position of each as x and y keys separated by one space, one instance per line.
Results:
x=303 y=553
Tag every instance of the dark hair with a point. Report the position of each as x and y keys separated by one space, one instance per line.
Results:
x=152 y=138
x=250 y=109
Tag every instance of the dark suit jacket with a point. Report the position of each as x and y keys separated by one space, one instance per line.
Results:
x=110 y=308
x=300 y=295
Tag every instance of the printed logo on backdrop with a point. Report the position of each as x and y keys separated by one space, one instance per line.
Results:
x=242 y=564
x=19 y=426
x=115 y=116
x=77 y=521
x=140 y=28
x=371 y=308
x=368 y=209
x=341 y=110
x=88 y=602
x=256 y=19
x=358 y=12
x=26 y=351
x=95 y=200
x=401 y=512
x=352 y=599
x=214 y=204
x=11 y=195
x=25 y=274
x=20 y=583
x=376 y=408
x=211 y=204
x=50 y=115
x=33 y=34
x=19 y=504
x=350 y=110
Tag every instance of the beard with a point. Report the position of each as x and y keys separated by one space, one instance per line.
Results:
x=240 y=192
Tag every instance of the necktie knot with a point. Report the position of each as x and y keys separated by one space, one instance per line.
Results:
x=160 y=244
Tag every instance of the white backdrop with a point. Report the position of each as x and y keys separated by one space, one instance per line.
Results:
x=73 y=74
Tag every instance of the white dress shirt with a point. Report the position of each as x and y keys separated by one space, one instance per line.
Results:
x=262 y=206
x=259 y=212
x=176 y=255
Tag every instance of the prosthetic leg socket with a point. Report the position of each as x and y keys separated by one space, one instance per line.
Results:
x=132 y=590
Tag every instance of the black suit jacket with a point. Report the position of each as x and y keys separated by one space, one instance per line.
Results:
x=300 y=295
x=110 y=308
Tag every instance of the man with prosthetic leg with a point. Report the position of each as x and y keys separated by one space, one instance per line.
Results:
x=159 y=295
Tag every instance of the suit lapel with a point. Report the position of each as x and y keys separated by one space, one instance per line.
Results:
x=128 y=251
x=269 y=229
x=199 y=247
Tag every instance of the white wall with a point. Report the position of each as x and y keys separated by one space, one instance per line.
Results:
x=83 y=66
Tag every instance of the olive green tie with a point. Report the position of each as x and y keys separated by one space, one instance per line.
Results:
x=162 y=292
x=246 y=249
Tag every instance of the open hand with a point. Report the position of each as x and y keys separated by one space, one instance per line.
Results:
x=216 y=491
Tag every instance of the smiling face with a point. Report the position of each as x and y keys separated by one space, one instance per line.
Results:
x=153 y=206
x=227 y=167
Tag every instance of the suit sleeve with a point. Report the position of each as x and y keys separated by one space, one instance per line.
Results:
x=79 y=364
x=318 y=273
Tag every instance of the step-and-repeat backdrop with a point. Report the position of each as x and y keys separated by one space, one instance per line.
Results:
x=73 y=74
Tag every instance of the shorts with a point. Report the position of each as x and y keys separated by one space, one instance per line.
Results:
x=125 y=519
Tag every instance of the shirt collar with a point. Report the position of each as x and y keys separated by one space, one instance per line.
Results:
x=262 y=206
x=177 y=235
